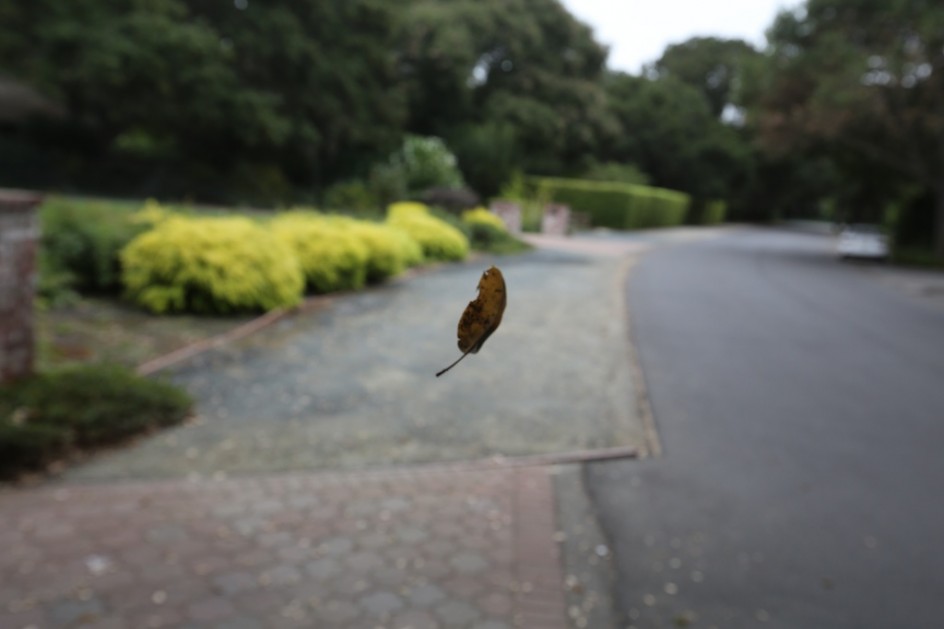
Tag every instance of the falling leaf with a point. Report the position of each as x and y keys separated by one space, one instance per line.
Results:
x=482 y=316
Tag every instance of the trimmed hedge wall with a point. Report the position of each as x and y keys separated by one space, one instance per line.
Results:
x=617 y=205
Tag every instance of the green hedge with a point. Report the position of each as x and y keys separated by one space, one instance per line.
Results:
x=616 y=205
x=83 y=238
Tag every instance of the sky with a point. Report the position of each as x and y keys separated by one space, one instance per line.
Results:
x=637 y=31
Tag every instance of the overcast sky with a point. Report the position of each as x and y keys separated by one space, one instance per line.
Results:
x=637 y=31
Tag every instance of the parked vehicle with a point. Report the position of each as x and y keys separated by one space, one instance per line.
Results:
x=862 y=241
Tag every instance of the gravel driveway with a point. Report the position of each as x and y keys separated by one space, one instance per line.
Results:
x=351 y=385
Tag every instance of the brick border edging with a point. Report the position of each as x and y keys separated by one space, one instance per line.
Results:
x=240 y=331
x=540 y=600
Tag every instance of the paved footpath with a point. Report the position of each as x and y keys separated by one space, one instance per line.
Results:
x=424 y=547
x=235 y=522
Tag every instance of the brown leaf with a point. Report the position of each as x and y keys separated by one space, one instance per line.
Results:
x=482 y=316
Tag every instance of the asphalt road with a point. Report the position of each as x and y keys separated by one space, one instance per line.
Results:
x=800 y=403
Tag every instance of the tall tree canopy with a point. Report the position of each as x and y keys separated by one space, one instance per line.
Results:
x=308 y=87
x=526 y=64
x=669 y=131
x=862 y=80
x=709 y=64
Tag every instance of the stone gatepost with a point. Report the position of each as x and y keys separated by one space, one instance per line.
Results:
x=19 y=242
x=509 y=212
x=556 y=220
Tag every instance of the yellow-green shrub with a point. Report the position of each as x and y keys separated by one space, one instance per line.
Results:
x=481 y=216
x=438 y=239
x=151 y=214
x=205 y=265
x=406 y=209
x=389 y=250
x=411 y=250
x=332 y=257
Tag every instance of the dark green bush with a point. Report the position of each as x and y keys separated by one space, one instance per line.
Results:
x=43 y=417
x=707 y=212
x=616 y=205
x=715 y=213
x=84 y=238
x=352 y=196
x=25 y=448
x=56 y=286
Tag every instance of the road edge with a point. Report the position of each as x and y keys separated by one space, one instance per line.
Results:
x=653 y=443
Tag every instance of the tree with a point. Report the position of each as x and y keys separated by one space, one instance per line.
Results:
x=668 y=130
x=139 y=67
x=526 y=65
x=332 y=68
x=862 y=81
x=298 y=89
x=708 y=64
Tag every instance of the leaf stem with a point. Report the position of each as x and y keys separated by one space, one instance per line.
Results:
x=452 y=365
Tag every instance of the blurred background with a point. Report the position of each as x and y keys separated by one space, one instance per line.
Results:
x=278 y=103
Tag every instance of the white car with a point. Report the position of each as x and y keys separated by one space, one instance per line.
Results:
x=862 y=241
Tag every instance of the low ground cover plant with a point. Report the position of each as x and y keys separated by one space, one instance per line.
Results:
x=52 y=416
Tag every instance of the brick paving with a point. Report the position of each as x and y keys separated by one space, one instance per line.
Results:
x=422 y=547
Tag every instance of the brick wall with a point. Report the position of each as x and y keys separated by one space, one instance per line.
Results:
x=19 y=241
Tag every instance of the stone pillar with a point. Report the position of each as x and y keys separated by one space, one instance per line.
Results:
x=510 y=213
x=19 y=242
x=556 y=220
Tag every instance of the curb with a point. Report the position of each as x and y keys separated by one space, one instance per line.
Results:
x=392 y=471
x=643 y=403
x=241 y=331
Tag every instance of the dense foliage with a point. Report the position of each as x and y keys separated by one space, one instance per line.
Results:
x=49 y=416
x=83 y=240
x=862 y=84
